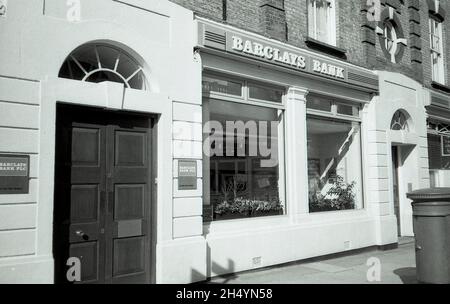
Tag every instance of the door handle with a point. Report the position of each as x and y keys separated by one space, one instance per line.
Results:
x=82 y=235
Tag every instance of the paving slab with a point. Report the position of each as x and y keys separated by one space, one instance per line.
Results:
x=397 y=266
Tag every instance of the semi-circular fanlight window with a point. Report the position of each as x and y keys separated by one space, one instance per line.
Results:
x=400 y=122
x=98 y=63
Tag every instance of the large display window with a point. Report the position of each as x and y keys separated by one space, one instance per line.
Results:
x=334 y=156
x=243 y=149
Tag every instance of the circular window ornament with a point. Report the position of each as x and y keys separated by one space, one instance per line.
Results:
x=390 y=31
x=98 y=63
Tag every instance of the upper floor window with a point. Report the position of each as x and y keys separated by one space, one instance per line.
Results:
x=321 y=21
x=437 y=60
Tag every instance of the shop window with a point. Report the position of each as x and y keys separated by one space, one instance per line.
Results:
x=436 y=48
x=439 y=154
x=345 y=109
x=320 y=104
x=321 y=21
x=243 y=145
x=223 y=86
x=334 y=164
x=265 y=93
x=98 y=63
x=323 y=105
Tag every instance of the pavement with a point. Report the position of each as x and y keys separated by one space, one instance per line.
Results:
x=395 y=266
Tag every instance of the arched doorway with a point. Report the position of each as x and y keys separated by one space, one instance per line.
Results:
x=103 y=172
x=401 y=149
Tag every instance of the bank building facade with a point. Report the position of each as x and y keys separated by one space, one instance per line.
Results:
x=174 y=141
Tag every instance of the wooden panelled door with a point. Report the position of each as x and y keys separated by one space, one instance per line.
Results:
x=103 y=195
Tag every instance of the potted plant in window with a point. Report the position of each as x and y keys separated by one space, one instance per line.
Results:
x=267 y=208
x=341 y=196
x=231 y=208
x=242 y=208
x=235 y=209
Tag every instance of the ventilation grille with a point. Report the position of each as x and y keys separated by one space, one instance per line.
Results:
x=215 y=38
x=362 y=79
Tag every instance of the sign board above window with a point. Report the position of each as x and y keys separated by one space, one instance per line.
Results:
x=282 y=56
x=253 y=47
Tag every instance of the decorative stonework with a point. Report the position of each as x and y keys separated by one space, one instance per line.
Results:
x=368 y=33
x=415 y=32
x=3 y=7
x=392 y=39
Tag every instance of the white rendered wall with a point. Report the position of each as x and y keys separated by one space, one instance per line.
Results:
x=36 y=39
x=397 y=92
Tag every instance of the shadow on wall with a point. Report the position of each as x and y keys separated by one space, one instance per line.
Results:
x=407 y=275
x=213 y=267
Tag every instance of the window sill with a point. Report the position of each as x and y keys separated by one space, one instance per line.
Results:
x=440 y=86
x=326 y=48
x=284 y=222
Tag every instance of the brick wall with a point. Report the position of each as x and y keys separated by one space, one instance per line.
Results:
x=212 y=9
x=404 y=65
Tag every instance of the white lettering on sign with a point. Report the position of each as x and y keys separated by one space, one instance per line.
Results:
x=13 y=166
x=270 y=53
x=188 y=170
x=267 y=52
x=328 y=69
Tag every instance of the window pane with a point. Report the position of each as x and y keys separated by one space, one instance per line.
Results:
x=311 y=19
x=269 y=94
x=244 y=178
x=323 y=22
x=347 y=110
x=320 y=104
x=334 y=165
x=439 y=162
x=436 y=53
x=212 y=84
